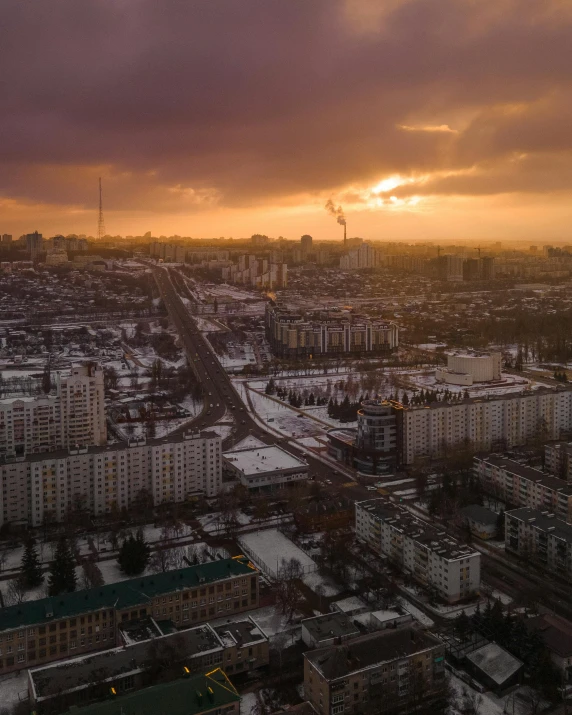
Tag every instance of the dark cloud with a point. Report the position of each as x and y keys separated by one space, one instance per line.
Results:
x=182 y=103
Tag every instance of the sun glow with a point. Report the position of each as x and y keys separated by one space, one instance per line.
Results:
x=388 y=184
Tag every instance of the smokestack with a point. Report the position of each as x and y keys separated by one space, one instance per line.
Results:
x=345 y=227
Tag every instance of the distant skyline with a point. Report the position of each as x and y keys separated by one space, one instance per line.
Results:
x=430 y=120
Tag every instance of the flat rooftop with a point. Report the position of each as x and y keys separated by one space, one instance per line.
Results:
x=543 y=521
x=189 y=696
x=525 y=472
x=260 y=460
x=239 y=633
x=339 y=661
x=400 y=519
x=77 y=673
x=330 y=625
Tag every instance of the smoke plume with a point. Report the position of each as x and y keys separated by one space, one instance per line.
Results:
x=337 y=213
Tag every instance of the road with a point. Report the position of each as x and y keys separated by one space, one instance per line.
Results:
x=221 y=395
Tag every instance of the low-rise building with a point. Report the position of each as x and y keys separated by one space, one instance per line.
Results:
x=519 y=485
x=394 y=670
x=328 y=629
x=72 y=624
x=494 y=667
x=429 y=555
x=208 y=694
x=482 y=522
x=147 y=654
x=556 y=634
x=265 y=467
x=541 y=537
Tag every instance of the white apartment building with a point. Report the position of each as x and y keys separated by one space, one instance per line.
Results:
x=46 y=486
x=256 y=272
x=75 y=415
x=484 y=423
x=429 y=555
x=519 y=485
x=366 y=256
x=540 y=536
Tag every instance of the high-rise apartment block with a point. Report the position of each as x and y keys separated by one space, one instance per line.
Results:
x=366 y=256
x=74 y=416
x=306 y=244
x=295 y=335
x=256 y=272
x=484 y=423
x=45 y=487
x=429 y=555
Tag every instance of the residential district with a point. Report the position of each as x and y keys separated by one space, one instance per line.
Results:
x=268 y=476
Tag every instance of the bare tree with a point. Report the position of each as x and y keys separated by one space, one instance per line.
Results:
x=287 y=592
x=92 y=576
x=16 y=591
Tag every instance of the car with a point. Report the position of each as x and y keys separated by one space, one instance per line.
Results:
x=371 y=489
x=242 y=422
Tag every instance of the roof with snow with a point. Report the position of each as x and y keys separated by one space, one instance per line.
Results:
x=495 y=662
x=260 y=460
x=368 y=651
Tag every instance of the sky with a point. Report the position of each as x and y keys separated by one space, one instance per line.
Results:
x=423 y=119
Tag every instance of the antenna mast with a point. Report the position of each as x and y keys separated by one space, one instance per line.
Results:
x=100 y=221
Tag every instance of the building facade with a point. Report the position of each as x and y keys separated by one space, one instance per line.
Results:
x=519 y=485
x=430 y=556
x=468 y=368
x=237 y=646
x=539 y=536
x=394 y=670
x=483 y=423
x=75 y=415
x=256 y=272
x=71 y=624
x=372 y=448
x=46 y=487
x=293 y=335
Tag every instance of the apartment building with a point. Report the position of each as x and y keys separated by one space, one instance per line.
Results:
x=393 y=670
x=366 y=256
x=72 y=624
x=541 y=537
x=327 y=333
x=75 y=415
x=484 y=423
x=237 y=647
x=45 y=487
x=257 y=272
x=429 y=555
x=558 y=459
x=519 y=485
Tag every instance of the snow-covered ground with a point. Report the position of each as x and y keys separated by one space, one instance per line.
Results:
x=269 y=548
x=416 y=612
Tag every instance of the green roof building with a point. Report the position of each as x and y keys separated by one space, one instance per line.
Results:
x=71 y=624
x=195 y=695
